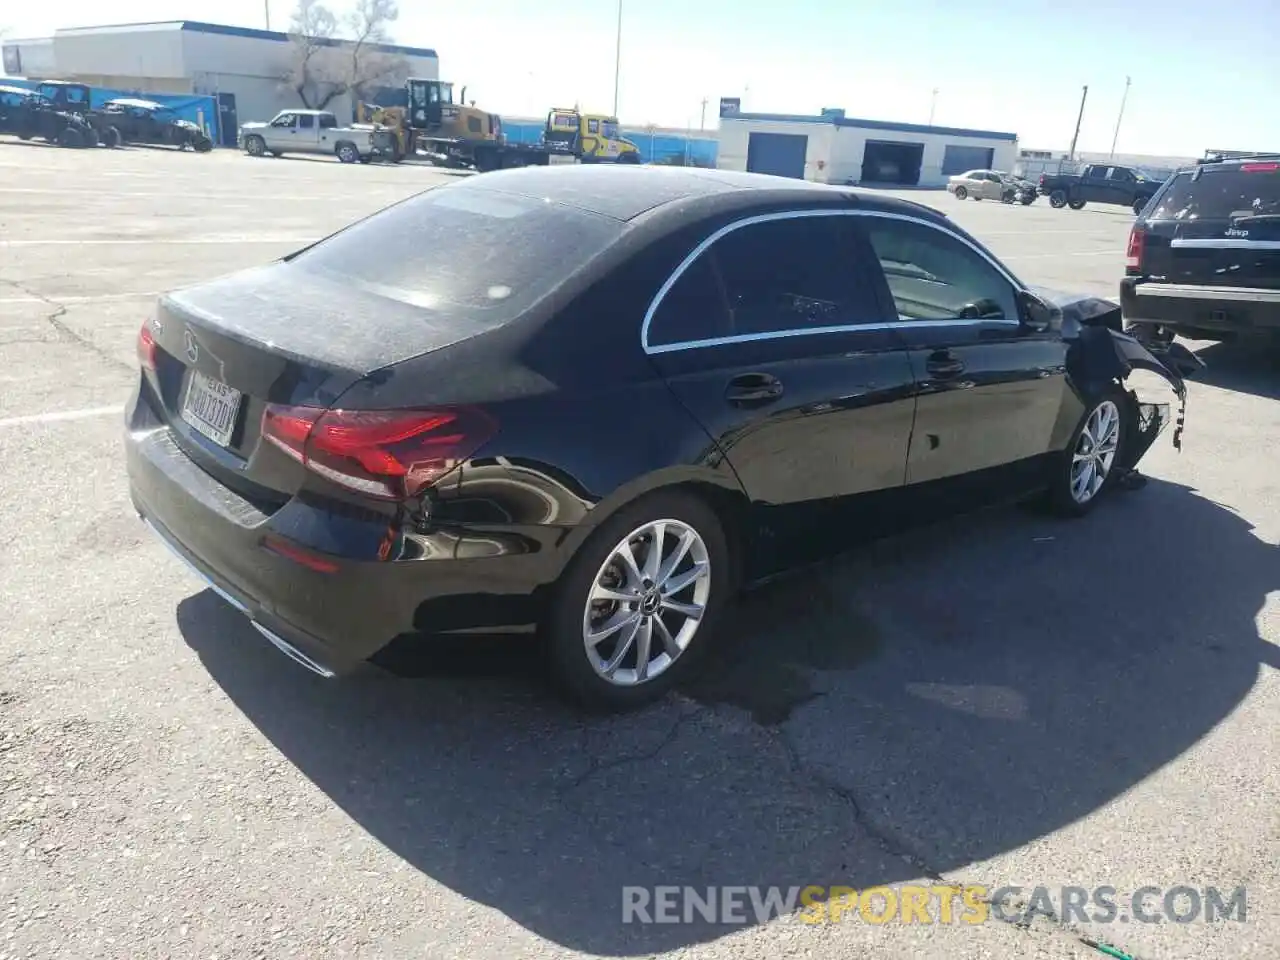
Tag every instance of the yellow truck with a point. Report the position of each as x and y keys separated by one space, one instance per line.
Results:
x=458 y=134
x=592 y=138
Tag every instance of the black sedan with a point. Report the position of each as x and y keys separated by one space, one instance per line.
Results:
x=593 y=402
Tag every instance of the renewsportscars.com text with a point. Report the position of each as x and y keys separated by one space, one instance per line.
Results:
x=935 y=904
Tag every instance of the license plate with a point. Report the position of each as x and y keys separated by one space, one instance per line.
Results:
x=210 y=407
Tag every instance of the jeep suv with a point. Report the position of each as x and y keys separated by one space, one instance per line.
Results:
x=1204 y=256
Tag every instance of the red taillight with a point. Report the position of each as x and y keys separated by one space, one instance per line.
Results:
x=1260 y=167
x=146 y=347
x=1133 y=253
x=388 y=454
x=1042 y=179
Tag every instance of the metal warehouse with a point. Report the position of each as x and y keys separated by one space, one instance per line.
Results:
x=833 y=148
x=242 y=68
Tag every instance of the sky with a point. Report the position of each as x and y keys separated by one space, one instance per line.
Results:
x=1204 y=76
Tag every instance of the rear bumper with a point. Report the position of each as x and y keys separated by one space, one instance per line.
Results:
x=1231 y=310
x=329 y=620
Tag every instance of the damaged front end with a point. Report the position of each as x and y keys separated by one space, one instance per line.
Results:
x=1100 y=356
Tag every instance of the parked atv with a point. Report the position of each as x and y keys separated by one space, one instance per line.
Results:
x=144 y=121
x=74 y=98
x=28 y=115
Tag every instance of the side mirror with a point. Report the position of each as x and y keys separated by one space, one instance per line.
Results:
x=1034 y=314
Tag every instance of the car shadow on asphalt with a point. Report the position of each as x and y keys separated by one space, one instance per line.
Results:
x=1242 y=368
x=938 y=699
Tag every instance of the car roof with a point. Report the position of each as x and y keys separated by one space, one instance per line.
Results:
x=21 y=90
x=624 y=192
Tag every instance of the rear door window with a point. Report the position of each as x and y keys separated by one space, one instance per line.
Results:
x=306 y=121
x=778 y=277
x=463 y=247
x=1223 y=193
x=790 y=275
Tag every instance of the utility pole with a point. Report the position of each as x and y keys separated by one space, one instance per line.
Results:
x=617 y=61
x=702 y=124
x=933 y=105
x=1071 y=156
x=1123 y=100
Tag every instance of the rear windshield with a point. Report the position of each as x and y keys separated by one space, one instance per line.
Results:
x=1221 y=192
x=463 y=247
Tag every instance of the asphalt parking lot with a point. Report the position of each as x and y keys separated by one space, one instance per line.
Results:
x=1006 y=700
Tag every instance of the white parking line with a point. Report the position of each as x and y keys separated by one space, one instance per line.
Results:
x=157 y=241
x=191 y=197
x=1070 y=253
x=59 y=415
x=77 y=298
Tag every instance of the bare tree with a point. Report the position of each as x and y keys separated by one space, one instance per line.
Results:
x=327 y=62
x=311 y=38
x=369 y=67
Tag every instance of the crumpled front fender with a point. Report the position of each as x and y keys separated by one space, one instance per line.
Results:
x=1100 y=354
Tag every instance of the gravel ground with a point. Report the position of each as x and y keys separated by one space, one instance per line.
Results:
x=1004 y=700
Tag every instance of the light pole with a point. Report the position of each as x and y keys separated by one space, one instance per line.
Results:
x=1071 y=157
x=1127 y=81
x=617 y=61
x=933 y=105
x=266 y=9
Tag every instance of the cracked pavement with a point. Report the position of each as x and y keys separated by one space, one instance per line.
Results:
x=1005 y=700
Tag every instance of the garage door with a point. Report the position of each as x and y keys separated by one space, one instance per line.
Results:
x=892 y=162
x=960 y=159
x=781 y=154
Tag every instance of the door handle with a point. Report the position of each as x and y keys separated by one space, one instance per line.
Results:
x=750 y=388
x=944 y=364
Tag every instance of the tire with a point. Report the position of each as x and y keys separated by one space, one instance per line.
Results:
x=961 y=193
x=1066 y=498
x=1075 y=204
x=578 y=670
x=347 y=152
x=1058 y=199
x=1029 y=200
x=111 y=138
x=70 y=137
x=1151 y=335
x=255 y=146
x=486 y=160
x=203 y=145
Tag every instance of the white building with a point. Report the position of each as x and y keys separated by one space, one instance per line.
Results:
x=833 y=148
x=240 y=67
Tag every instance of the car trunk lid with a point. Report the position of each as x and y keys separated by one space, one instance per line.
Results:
x=275 y=335
x=1217 y=226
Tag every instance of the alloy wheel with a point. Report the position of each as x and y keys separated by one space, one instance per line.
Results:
x=1095 y=452
x=646 y=602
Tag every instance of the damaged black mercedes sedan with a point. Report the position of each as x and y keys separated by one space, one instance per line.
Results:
x=594 y=402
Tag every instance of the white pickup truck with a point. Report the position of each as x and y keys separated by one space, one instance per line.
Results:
x=311 y=131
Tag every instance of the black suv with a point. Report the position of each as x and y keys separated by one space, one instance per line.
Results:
x=1204 y=256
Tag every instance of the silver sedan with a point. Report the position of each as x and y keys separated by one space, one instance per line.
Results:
x=979 y=184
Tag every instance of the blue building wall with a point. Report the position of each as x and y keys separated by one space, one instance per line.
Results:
x=654 y=148
x=198 y=109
